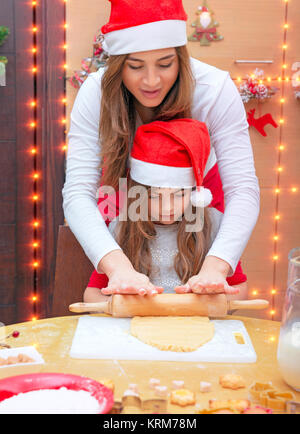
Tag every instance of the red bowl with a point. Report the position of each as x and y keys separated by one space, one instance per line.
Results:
x=11 y=386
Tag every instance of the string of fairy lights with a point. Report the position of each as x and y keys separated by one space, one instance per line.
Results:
x=281 y=147
x=36 y=176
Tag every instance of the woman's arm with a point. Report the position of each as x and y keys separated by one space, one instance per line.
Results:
x=79 y=195
x=83 y=174
x=229 y=134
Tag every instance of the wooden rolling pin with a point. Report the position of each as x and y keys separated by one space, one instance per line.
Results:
x=127 y=306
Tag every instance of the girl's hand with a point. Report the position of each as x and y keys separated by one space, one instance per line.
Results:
x=129 y=281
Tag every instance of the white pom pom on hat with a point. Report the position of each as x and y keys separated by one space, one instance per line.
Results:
x=201 y=198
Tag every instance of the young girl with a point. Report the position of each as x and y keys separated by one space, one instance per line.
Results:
x=168 y=232
x=149 y=76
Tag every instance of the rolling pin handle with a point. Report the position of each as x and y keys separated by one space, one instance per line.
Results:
x=101 y=307
x=248 y=304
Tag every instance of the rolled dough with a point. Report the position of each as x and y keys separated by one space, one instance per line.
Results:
x=173 y=333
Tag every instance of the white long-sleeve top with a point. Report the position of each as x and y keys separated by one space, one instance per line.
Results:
x=216 y=102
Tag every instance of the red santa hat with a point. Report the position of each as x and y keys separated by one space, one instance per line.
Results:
x=143 y=25
x=172 y=154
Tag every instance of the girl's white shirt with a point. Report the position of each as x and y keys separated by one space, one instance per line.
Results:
x=216 y=102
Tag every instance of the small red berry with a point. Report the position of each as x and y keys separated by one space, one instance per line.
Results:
x=15 y=334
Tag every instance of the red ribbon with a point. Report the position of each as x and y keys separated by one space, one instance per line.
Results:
x=201 y=32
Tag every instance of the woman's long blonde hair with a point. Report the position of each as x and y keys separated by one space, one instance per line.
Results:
x=117 y=113
x=134 y=237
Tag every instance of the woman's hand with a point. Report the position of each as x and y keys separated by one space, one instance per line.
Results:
x=203 y=283
x=210 y=280
x=129 y=281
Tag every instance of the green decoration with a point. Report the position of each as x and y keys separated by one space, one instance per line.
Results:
x=4 y=32
x=205 y=26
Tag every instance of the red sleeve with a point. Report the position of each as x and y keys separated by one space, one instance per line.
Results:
x=238 y=276
x=98 y=280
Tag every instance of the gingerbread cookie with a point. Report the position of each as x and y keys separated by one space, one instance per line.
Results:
x=232 y=381
x=182 y=397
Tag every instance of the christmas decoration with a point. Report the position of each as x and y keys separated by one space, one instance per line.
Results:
x=205 y=27
x=90 y=64
x=260 y=123
x=255 y=88
x=4 y=32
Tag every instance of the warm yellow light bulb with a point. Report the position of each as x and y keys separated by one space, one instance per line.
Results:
x=282 y=100
x=34 y=29
x=35 y=264
x=66 y=25
x=277 y=190
x=272 y=339
x=273 y=292
x=272 y=312
x=33 y=151
x=284 y=47
x=33 y=124
x=275 y=238
x=275 y=257
x=269 y=78
x=281 y=147
x=281 y=121
x=34 y=298
x=34 y=50
x=279 y=78
x=294 y=189
x=35 y=245
x=254 y=292
x=277 y=217
x=33 y=103
x=34 y=318
x=35 y=224
x=36 y=176
x=64 y=121
x=65 y=148
x=35 y=197
x=34 y=69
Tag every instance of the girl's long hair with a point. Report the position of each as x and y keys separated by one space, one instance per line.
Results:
x=117 y=113
x=134 y=237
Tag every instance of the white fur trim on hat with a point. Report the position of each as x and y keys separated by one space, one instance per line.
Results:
x=158 y=175
x=146 y=37
x=201 y=198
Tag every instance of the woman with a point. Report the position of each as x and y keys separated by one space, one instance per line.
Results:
x=150 y=77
